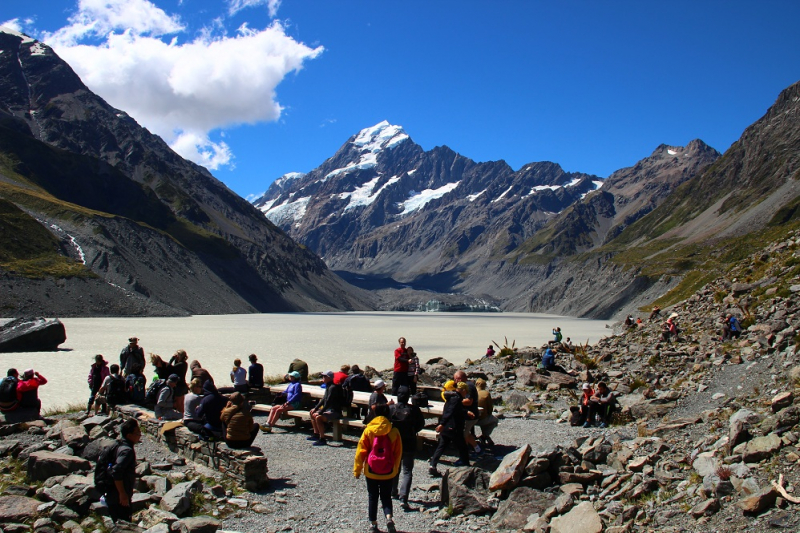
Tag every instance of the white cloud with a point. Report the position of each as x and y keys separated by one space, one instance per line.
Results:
x=180 y=91
x=13 y=24
x=234 y=6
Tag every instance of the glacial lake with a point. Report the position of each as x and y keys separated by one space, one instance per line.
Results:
x=324 y=340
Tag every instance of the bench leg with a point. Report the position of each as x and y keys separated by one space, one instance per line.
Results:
x=336 y=429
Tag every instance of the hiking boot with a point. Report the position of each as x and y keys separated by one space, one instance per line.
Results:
x=390 y=527
x=373 y=528
x=313 y=437
x=587 y=424
x=266 y=429
x=603 y=425
x=406 y=507
x=433 y=472
x=321 y=442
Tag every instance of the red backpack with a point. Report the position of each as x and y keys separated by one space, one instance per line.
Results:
x=381 y=457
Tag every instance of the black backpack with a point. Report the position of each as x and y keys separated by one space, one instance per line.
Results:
x=152 y=392
x=420 y=399
x=116 y=391
x=8 y=390
x=102 y=477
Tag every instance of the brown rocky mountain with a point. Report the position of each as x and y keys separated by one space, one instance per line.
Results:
x=157 y=234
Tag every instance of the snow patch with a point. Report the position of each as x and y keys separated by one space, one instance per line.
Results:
x=417 y=200
x=25 y=38
x=573 y=182
x=38 y=49
x=286 y=178
x=473 y=197
x=371 y=142
x=503 y=195
x=597 y=184
x=365 y=195
x=294 y=211
x=672 y=152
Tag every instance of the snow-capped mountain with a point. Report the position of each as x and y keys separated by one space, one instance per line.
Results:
x=382 y=206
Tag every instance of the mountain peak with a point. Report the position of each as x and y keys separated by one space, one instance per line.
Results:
x=379 y=137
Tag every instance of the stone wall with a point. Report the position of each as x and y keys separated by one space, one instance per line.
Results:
x=247 y=467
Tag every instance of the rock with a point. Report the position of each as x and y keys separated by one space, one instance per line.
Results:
x=158 y=528
x=153 y=516
x=17 y=508
x=510 y=471
x=516 y=401
x=43 y=465
x=706 y=464
x=738 y=434
x=651 y=409
x=706 y=508
x=178 y=500
x=581 y=519
x=75 y=437
x=93 y=421
x=513 y=512
x=463 y=490
x=9 y=447
x=60 y=513
x=530 y=376
x=745 y=415
x=32 y=335
x=198 y=524
x=759 y=448
x=91 y=452
x=760 y=502
x=782 y=401
x=584 y=478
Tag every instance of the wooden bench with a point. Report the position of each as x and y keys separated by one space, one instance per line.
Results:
x=338 y=426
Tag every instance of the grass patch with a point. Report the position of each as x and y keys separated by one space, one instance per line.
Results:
x=64 y=409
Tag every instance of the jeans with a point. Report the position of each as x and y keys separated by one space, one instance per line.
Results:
x=399 y=379
x=406 y=472
x=379 y=488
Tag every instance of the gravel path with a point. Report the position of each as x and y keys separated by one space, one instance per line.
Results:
x=313 y=488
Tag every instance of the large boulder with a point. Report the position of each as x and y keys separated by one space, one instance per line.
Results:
x=581 y=519
x=17 y=508
x=43 y=465
x=759 y=448
x=511 y=469
x=178 y=500
x=513 y=513
x=464 y=490
x=32 y=335
x=95 y=447
x=533 y=377
x=198 y=524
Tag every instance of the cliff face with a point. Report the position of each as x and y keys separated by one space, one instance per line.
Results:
x=146 y=221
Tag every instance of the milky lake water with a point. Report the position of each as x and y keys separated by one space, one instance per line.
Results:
x=324 y=340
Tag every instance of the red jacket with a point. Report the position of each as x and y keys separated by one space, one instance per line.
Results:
x=339 y=377
x=400 y=360
x=29 y=385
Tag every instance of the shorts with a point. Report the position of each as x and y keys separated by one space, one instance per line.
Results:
x=330 y=414
x=468 y=425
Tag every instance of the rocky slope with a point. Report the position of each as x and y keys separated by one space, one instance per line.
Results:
x=156 y=233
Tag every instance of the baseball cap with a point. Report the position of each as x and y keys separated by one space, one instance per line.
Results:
x=174 y=378
x=586 y=386
x=378 y=384
x=295 y=374
x=329 y=374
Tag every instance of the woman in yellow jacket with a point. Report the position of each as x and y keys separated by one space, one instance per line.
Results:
x=378 y=455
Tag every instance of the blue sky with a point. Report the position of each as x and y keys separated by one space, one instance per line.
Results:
x=258 y=88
